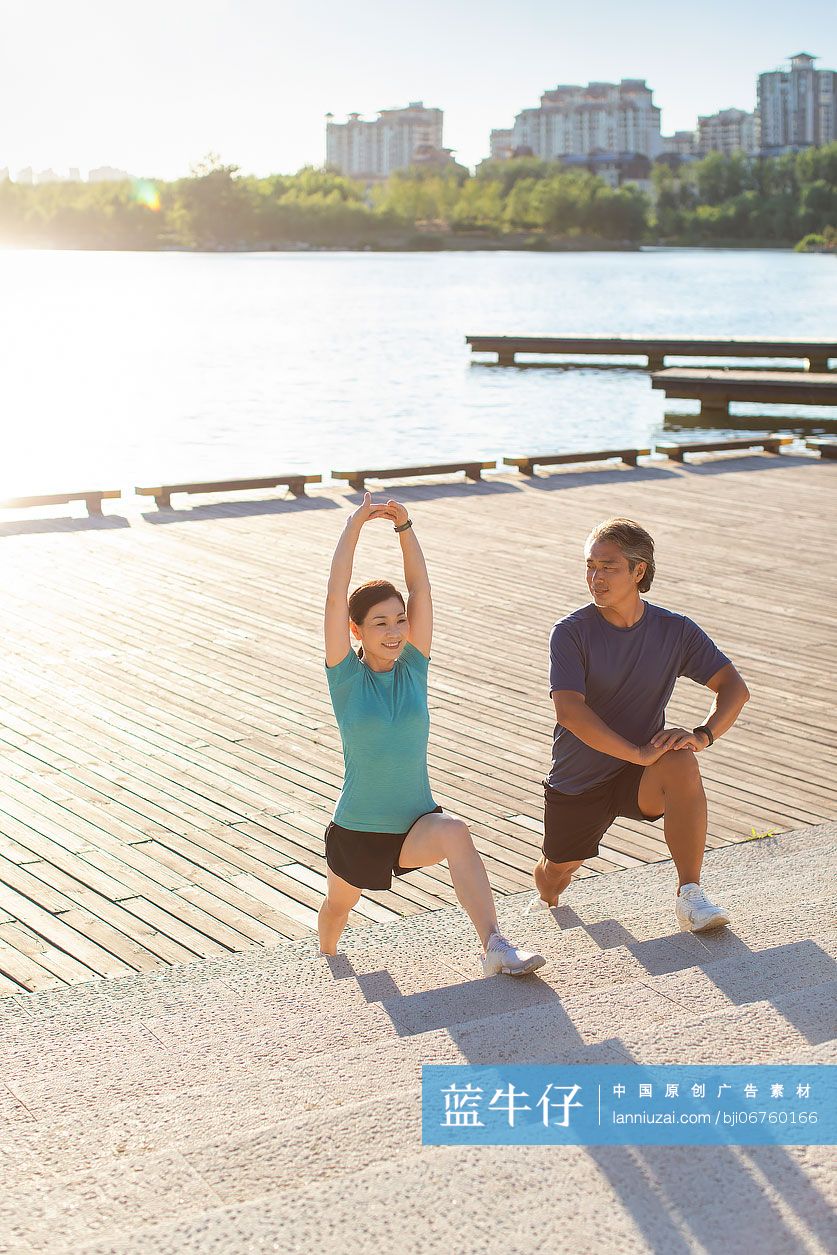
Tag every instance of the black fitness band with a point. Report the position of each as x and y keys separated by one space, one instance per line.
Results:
x=703 y=728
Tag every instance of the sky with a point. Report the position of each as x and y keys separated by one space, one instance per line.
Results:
x=151 y=88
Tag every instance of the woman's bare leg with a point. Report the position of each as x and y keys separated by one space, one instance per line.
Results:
x=435 y=838
x=334 y=912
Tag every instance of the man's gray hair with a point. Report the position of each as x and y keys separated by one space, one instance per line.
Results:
x=633 y=540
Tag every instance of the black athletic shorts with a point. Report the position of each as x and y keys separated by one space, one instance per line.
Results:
x=367 y=860
x=574 y=823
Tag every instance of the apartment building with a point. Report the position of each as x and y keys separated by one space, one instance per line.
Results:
x=372 y=150
x=728 y=131
x=797 y=106
x=577 y=121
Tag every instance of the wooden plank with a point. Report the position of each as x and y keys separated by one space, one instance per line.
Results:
x=357 y=479
x=676 y=450
x=825 y=448
x=293 y=480
x=92 y=498
x=527 y=463
x=17 y=947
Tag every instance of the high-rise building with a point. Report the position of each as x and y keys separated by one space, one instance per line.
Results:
x=729 y=131
x=501 y=145
x=601 y=117
x=680 y=144
x=370 y=150
x=107 y=174
x=797 y=106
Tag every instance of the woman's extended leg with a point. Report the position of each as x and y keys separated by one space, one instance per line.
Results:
x=436 y=838
x=334 y=912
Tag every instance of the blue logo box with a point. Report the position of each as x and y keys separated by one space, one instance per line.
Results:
x=617 y=1105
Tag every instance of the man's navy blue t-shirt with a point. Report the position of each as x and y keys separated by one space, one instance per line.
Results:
x=626 y=676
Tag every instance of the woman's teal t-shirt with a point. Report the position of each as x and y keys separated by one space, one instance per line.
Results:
x=384 y=726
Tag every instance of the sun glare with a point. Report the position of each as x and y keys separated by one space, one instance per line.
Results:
x=146 y=193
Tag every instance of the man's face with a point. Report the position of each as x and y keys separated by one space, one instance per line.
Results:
x=609 y=576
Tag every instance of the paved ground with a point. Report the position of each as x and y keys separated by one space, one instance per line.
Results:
x=269 y=1102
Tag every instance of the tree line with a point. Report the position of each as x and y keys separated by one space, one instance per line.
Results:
x=718 y=200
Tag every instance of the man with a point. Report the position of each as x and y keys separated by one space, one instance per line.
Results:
x=613 y=665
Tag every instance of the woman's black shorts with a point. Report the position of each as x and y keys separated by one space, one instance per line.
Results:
x=367 y=860
x=574 y=823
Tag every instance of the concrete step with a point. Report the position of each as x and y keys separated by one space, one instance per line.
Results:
x=398 y=1001
x=320 y=1146
x=646 y=890
x=196 y=1089
x=189 y=1095
x=586 y=926
x=604 y=1199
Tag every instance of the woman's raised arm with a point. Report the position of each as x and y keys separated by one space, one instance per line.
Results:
x=336 y=624
x=419 y=598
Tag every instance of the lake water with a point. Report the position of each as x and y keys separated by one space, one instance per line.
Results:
x=120 y=368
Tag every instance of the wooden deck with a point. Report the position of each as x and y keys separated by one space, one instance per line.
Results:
x=169 y=758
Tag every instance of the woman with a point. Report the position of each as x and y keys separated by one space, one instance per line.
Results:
x=386 y=821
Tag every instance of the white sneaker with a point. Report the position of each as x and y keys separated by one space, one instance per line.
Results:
x=536 y=906
x=502 y=956
x=696 y=913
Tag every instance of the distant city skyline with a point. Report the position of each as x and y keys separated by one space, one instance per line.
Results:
x=252 y=80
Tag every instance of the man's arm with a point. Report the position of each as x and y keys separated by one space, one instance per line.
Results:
x=572 y=711
x=731 y=695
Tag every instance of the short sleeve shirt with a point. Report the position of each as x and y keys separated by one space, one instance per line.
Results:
x=626 y=676
x=384 y=726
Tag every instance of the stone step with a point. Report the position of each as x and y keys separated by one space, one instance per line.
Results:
x=194 y=1092
x=376 y=1138
x=63 y=1129
x=400 y=998
x=201 y=1091
x=583 y=927
x=578 y=958
x=770 y=1199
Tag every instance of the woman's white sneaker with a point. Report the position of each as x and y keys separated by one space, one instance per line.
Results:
x=502 y=956
x=696 y=913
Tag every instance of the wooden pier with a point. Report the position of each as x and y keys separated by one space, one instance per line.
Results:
x=169 y=756
x=715 y=389
x=814 y=353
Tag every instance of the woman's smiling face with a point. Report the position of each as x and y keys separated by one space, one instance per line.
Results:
x=383 y=633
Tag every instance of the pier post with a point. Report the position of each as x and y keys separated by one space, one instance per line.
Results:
x=505 y=358
x=714 y=408
x=817 y=364
x=656 y=361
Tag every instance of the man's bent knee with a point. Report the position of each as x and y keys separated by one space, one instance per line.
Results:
x=680 y=769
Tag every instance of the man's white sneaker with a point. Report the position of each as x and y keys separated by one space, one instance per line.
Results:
x=536 y=906
x=502 y=956
x=696 y=913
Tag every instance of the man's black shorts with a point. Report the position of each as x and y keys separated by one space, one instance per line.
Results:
x=574 y=823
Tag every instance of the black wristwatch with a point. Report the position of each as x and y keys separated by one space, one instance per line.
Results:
x=703 y=728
